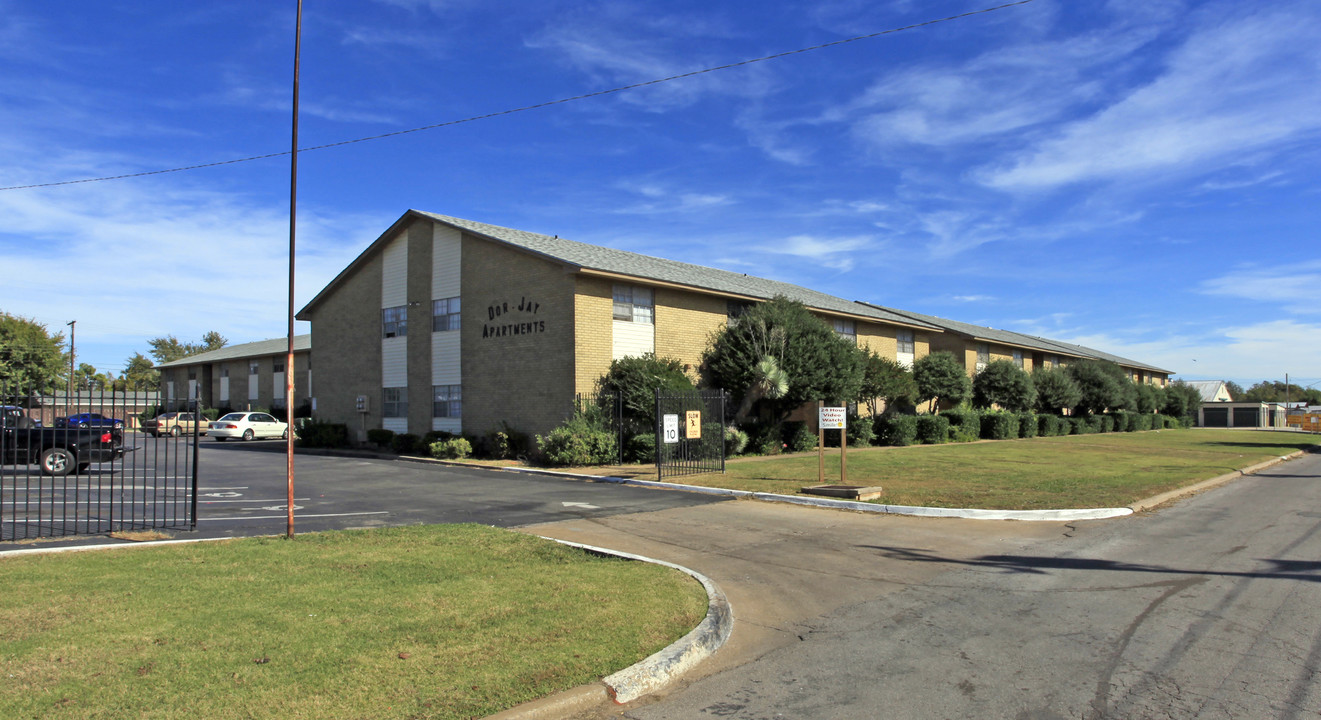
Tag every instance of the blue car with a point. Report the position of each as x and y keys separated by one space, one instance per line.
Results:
x=89 y=420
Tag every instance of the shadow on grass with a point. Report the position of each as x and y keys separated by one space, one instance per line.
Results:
x=1305 y=570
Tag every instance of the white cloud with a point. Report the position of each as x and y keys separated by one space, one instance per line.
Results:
x=1238 y=85
x=1293 y=286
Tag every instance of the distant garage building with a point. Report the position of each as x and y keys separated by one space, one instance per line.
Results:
x=1241 y=415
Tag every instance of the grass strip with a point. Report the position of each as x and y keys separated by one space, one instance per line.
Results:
x=455 y=621
x=1076 y=471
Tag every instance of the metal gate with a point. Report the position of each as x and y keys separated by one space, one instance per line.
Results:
x=690 y=433
x=114 y=477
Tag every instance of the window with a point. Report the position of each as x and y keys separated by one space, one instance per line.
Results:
x=394 y=321
x=845 y=329
x=983 y=356
x=252 y=367
x=904 y=348
x=447 y=402
x=445 y=314
x=277 y=366
x=192 y=374
x=1018 y=358
x=633 y=304
x=735 y=309
x=394 y=402
x=224 y=371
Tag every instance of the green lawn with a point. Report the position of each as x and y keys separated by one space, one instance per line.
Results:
x=1076 y=471
x=418 y=622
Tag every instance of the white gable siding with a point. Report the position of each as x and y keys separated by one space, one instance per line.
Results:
x=224 y=390
x=446 y=282
x=446 y=270
x=394 y=273
x=632 y=339
x=394 y=362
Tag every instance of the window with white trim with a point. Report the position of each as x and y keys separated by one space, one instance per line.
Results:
x=253 y=368
x=735 y=309
x=277 y=366
x=394 y=321
x=846 y=329
x=394 y=402
x=445 y=314
x=983 y=356
x=634 y=304
x=904 y=347
x=447 y=401
x=1018 y=358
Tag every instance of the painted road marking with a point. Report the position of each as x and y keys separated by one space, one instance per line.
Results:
x=282 y=517
x=584 y=506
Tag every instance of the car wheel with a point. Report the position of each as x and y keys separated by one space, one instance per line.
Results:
x=174 y=432
x=248 y=434
x=57 y=461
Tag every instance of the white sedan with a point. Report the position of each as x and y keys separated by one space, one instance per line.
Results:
x=247 y=425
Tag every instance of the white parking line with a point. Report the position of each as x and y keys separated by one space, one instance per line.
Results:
x=246 y=500
x=296 y=516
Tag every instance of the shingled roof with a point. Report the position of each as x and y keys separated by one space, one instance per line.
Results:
x=261 y=348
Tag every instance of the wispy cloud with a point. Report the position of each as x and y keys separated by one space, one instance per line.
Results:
x=1293 y=287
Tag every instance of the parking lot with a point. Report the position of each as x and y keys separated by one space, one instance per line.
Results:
x=242 y=491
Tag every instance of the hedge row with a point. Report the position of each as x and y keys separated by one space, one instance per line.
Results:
x=969 y=425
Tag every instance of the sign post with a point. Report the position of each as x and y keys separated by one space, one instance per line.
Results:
x=832 y=418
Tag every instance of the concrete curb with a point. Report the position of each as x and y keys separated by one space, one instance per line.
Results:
x=1161 y=499
x=651 y=673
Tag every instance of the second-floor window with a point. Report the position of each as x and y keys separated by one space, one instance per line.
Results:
x=394 y=321
x=1018 y=358
x=846 y=329
x=252 y=367
x=633 y=304
x=445 y=314
x=904 y=350
x=277 y=366
x=983 y=356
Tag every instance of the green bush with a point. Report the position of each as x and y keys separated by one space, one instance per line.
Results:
x=932 y=429
x=1027 y=425
x=452 y=449
x=764 y=439
x=1048 y=425
x=965 y=425
x=1107 y=423
x=380 y=437
x=640 y=448
x=1095 y=424
x=323 y=435
x=736 y=441
x=797 y=437
x=581 y=440
x=404 y=443
x=999 y=425
x=1078 y=425
x=506 y=443
x=1142 y=422
x=861 y=431
x=895 y=430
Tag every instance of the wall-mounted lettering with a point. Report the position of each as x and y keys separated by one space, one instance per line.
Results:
x=519 y=326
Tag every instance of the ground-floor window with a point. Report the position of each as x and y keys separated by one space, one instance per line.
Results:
x=447 y=401
x=394 y=402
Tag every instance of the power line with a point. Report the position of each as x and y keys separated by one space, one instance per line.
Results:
x=537 y=106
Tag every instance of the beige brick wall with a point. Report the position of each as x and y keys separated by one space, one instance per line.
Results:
x=518 y=339
x=346 y=347
x=593 y=331
x=685 y=323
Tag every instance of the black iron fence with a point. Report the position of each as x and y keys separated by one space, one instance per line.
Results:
x=690 y=433
x=86 y=466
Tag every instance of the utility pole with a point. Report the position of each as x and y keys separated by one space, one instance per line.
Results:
x=289 y=356
x=69 y=396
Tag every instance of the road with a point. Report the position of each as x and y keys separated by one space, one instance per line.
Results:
x=1208 y=608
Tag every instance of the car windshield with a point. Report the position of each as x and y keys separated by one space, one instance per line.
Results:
x=233 y=417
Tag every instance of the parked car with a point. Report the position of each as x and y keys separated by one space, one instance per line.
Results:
x=247 y=425
x=175 y=423
x=59 y=451
x=89 y=420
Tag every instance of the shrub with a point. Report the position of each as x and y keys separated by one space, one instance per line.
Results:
x=213 y=413
x=932 y=429
x=506 y=443
x=861 y=431
x=640 y=448
x=380 y=437
x=405 y=443
x=581 y=440
x=797 y=437
x=1142 y=422
x=764 y=439
x=1078 y=425
x=1048 y=425
x=1005 y=384
x=1027 y=425
x=999 y=426
x=896 y=430
x=1107 y=423
x=736 y=441
x=323 y=435
x=965 y=425
x=436 y=436
x=1094 y=424
x=452 y=449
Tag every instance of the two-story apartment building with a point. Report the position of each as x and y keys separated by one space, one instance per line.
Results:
x=242 y=377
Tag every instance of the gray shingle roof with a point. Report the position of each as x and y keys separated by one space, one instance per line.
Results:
x=261 y=348
x=646 y=267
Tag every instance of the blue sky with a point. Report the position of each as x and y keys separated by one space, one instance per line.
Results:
x=1140 y=176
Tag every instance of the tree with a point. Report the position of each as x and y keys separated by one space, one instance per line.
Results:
x=31 y=359
x=1235 y=390
x=1182 y=400
x=636 y=379
x=1055 y=390
x=940 y=378
x=168 y=348
x=1151 y=398
x=87 y=378
x=1278 y=391
x=1005 y=384
x=884 y=380
x=817 y=363
x=1102 y=386
x=138 y=375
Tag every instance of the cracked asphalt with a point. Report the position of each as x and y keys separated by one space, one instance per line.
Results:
x=1206 y=608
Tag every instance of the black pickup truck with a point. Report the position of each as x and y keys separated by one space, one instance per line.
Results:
x=59 y=451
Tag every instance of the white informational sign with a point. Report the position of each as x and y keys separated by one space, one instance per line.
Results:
x=833 y=418
x=671 y=428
